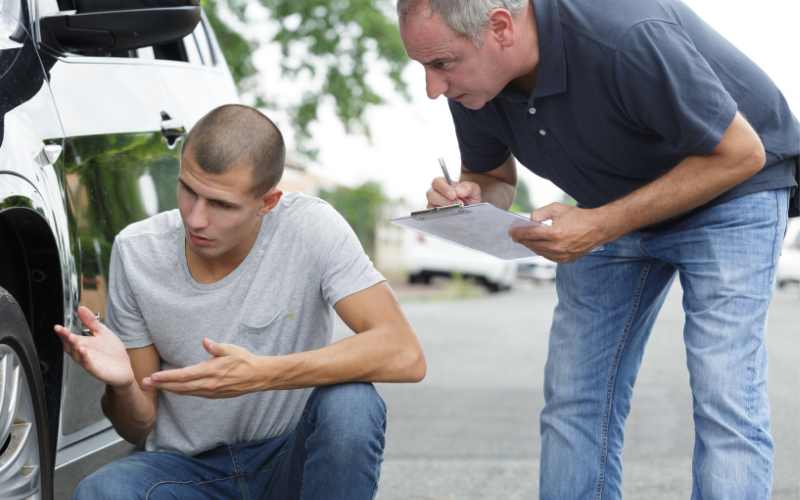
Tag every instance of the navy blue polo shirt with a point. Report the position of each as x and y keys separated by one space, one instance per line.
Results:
x=624 y=91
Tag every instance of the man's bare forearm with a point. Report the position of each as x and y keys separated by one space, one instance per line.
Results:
x=693 y=182
x=377 y=355
x=130 y=410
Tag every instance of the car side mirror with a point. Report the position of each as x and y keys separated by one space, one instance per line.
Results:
x=121 y=25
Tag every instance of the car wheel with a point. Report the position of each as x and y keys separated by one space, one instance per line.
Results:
x=26 y=466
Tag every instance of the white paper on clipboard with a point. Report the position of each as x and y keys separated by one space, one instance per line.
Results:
x=482 y=227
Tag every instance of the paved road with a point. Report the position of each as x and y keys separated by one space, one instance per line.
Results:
x=470 y=430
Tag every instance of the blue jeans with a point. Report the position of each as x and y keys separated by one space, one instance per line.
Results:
x=725 y=257
x=334 y=453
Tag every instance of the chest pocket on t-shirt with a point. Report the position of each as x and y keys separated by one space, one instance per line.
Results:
x=262 y=331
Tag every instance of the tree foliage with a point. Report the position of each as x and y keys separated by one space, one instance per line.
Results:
x=522 y=201
x=329 y=45
x=362 y=208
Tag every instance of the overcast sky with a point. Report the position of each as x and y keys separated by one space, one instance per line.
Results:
x=408 y=137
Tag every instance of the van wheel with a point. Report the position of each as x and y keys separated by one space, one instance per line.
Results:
x=26 y=465
x=421 y=277
x=490 y=285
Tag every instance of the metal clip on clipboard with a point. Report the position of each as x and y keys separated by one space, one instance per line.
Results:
x=432 y=212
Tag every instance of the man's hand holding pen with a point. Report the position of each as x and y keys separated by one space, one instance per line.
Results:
x=444 y=191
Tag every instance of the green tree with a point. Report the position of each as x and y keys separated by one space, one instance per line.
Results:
x=362 y=208
x=338 y=42
x=522 y=200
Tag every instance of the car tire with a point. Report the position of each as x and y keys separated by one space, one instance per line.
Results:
x=26 y=464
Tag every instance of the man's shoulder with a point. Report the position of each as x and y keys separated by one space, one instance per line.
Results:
x=308 y=219
x=156 y=227
x=295 y=201
x=300 y=208
x=607 y=24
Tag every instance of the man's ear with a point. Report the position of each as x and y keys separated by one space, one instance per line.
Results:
x=269 y=200
x=501 y=27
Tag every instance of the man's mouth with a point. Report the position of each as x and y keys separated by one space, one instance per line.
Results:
x=197 y=239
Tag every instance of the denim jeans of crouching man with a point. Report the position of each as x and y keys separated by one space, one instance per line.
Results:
x=334 y=453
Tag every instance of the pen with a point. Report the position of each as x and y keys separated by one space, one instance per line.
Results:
x=445 y=172
x=447 y=178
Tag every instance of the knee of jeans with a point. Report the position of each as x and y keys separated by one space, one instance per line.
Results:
x=349 y=411
x=102 y=486
x=88 y=489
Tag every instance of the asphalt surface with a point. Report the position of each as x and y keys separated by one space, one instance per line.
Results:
x=470 y=429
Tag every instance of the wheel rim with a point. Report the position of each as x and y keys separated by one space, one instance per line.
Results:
x=20 y=473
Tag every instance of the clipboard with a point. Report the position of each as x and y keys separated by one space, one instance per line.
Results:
x=481 y=226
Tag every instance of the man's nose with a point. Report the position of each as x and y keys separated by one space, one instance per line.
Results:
x=435 y=84
x=198 y=215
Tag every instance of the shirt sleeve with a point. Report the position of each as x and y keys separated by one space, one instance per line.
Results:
x=480 y=150
x=124 y=317
x=344 y=267
x=668 y=89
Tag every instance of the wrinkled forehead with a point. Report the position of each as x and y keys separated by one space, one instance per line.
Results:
x=427 y=36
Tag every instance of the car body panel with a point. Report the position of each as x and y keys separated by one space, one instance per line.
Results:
x=82 y=146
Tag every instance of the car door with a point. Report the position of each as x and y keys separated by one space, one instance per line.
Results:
x=120 y=162
x=124 y=115
x=200 y=81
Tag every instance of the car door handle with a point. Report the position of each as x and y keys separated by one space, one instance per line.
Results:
x=171 y=129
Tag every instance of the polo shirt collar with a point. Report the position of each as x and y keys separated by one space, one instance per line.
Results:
x=551 y=73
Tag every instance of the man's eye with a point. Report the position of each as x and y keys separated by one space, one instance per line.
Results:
x=221 y=205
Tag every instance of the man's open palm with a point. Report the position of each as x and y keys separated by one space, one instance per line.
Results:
x=102 y=354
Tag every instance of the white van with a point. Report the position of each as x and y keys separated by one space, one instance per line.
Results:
x=427 y=257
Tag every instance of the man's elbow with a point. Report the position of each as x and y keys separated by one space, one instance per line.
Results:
x=754 y=159
x=134 y=435
x=414 y=366
x=418 y=368
x=747 y=147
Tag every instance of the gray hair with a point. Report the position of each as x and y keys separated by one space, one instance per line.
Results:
x=466 y=17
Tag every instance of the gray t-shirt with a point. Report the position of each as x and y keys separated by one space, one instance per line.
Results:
x=277 y=301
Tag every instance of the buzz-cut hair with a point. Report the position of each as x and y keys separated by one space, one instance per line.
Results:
x=234 y=135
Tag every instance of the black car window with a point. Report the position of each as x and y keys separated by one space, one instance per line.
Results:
x=22 y=69
x=172 y=51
